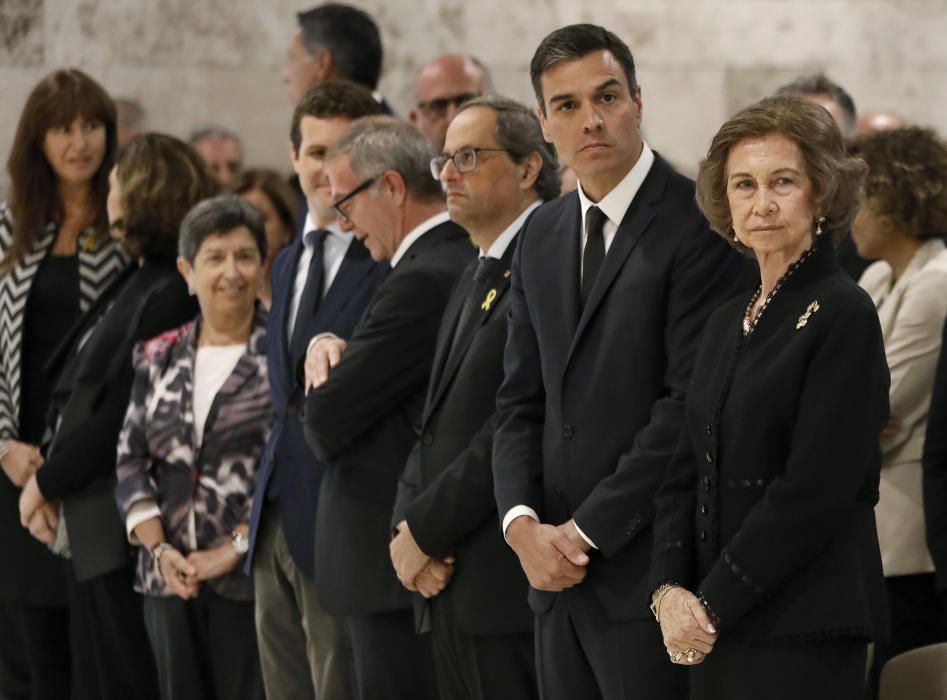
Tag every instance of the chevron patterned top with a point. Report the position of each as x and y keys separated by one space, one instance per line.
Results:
x=97 y=268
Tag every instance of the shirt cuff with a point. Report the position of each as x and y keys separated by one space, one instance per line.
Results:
x=142 y=510
x=515 y=512
x=317 y=338
x=583 y=535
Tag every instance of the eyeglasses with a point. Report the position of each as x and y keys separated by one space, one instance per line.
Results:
x=464 y=159
x=437 y=108
x=337 y=207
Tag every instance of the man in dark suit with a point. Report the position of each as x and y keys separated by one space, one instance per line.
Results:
x=321 y=282
x=368 y=393
x=496 y=170
x=610 y=289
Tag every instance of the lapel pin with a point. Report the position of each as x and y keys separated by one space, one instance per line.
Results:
x=488 y=301
x=87 y=242
x=804 y=319
x=506 y=274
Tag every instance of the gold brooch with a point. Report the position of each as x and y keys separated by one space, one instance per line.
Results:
x=804 y=319
x=488 y=301
x=87 y=241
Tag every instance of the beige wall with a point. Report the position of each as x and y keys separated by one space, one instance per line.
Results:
x=196 y=61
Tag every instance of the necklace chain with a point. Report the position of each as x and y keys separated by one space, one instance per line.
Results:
x=750 y=320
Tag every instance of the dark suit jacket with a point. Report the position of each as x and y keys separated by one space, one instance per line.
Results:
x=768 y=509
x=935 y=471
x=446 y=494
x=361 y=422
x=592 y=401
x=90 y=398
x=287 y=459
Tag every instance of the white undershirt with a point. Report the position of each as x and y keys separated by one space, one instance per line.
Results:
x=212 y=366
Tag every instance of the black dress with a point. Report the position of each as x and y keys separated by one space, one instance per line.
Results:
x=34 y=644
x=768 y=506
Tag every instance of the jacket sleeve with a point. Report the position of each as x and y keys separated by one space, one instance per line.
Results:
x=521 y=404
x=843 y=404
x=464 y=489
x=912 y=349
x=388 y=358
x=935 y=471
x=134 y=482
x=705 y=273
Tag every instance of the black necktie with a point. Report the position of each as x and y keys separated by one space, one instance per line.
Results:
x=312 y=293
x=594 y=252
x=474 y=297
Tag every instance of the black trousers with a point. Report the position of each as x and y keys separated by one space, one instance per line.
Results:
x=34 y=652
x=205 y=648
x=111 y=657
x=917 y=619
x=390 y=660
x=582 y=654
x=481 y=667
x=832 y=669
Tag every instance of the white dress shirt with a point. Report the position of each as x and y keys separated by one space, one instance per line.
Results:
x=415 y=233
x=334 y=250
x=614 y=205
x=499 y=246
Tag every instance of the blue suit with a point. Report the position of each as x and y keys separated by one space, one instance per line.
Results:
x=288 y=464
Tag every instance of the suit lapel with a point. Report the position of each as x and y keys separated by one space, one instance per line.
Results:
x=637 y=219
x=286 y=300
x=498 y=282
x=567 y=267
x=447 y=330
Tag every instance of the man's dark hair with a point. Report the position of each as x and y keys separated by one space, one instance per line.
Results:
x=519 y=132
x=333 y=98
x=351 y=37
x=573 y=43
x=820 y=84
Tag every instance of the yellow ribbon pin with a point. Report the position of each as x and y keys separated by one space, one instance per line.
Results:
x=488 y=302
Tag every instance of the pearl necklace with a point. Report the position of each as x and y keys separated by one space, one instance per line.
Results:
x=749 y=319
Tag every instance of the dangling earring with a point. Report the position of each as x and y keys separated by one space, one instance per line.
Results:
x=818 y=226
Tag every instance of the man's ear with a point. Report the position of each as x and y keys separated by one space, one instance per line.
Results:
x=393 y=183
x=532 y=165
x=542 y=123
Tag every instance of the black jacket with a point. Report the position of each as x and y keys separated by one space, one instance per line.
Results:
x=446 y=494
x=90 y=399
x=768 y=509
x=593 y=399
x=361 y=423
x=935 y=471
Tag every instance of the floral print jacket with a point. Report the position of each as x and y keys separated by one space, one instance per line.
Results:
x=158 y=459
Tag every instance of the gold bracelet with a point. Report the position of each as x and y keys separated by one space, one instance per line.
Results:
x=658 y=596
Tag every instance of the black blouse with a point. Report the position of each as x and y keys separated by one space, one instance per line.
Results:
x=768 y=505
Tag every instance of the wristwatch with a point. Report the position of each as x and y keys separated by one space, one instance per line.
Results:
x=240 y=543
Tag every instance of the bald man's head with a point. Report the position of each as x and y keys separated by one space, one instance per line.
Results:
x=444 y=84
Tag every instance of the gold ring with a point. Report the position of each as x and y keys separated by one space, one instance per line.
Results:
x=677 y=656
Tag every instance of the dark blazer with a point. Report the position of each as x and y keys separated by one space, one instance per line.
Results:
x=593 y=398
x=90 y=398
x=287 y=464
x=446 y=494
x=935 y=471
x=768 y=509
x=361 y=422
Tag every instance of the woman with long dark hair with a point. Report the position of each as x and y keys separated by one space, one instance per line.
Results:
x=56 y=258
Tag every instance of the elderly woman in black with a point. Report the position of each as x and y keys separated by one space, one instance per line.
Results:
x=767 y=575
x=199 y=417
x=56 y=258
x=154 y=183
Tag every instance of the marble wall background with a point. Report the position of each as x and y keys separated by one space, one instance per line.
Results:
x=196 y=61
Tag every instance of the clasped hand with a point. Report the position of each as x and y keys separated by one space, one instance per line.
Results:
x=553 y=557
x=415 y=569
x=686 y=627
x=323 y=356
x=184 y=575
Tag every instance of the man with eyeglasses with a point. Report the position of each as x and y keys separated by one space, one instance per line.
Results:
x=442 y=86
x=322 y=281
x=366 y=396
x=496 y=169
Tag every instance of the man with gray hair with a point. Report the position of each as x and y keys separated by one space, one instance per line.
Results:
x=221 y=150
x=366 y=396
x=496 y=169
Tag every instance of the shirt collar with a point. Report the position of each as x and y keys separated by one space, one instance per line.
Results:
x=616 y=203
x=332 y=228
x=499 y=246
x=415 y=234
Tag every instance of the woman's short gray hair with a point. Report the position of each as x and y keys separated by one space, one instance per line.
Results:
x=378 y=144
x=519 y=132
x=216 y=216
